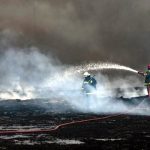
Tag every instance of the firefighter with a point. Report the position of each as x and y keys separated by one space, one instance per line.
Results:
x=89 y=83
x=147 y=78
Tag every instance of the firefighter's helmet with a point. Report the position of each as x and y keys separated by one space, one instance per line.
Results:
x=86 y=74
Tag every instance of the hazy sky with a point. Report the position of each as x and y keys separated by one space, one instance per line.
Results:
x=77 y=31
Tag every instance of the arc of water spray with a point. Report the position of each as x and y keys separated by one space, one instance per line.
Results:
x=75 y=70
x=99 y=66
x=89 y=67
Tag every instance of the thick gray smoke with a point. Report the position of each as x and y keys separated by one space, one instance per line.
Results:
x=34 y=33
x=81 y=30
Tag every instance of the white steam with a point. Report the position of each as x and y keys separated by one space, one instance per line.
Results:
x=27 y=74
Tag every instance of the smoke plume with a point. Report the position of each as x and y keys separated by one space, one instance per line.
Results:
x=42 y=43
x=80 y=31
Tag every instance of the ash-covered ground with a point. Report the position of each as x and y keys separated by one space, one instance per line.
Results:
x=127 y=131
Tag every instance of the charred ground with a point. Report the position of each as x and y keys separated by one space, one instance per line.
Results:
x=122 y=132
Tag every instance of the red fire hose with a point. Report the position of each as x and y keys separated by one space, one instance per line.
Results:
x=11 y=132
x=48 y=130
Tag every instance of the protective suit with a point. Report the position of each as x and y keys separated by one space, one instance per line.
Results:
x=89 y=83
x=147 y=78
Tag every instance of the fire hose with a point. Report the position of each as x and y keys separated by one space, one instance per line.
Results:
x=39 y=131
x=62 y=125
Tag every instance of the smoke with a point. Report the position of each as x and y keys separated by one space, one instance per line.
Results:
x=23 y=71
x=29 y=74
x=79 y=31
x=75 y=32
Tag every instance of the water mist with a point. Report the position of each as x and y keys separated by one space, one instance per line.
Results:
x=44 y=77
